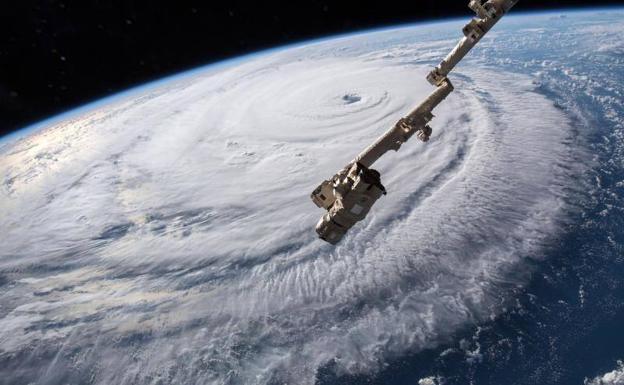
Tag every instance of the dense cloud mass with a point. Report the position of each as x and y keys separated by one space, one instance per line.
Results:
x=167 y=236
x=615 y=377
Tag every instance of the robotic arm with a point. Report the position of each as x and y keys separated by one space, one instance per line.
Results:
x=349 y=195
x=488 y=14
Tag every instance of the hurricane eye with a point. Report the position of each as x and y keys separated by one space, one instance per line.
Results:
x=351 y=98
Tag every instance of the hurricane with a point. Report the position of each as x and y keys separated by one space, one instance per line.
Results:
x=167 y=235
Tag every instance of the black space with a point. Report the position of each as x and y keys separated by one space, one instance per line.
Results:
x=55 y=55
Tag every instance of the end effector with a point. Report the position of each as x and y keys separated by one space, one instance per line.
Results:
x=347 y=197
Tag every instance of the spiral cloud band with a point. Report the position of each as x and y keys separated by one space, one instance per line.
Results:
x=168 y=235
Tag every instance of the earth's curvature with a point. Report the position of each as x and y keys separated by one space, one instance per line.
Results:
x=166 y=236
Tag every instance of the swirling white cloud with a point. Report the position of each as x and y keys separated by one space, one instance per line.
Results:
x=170 y=235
